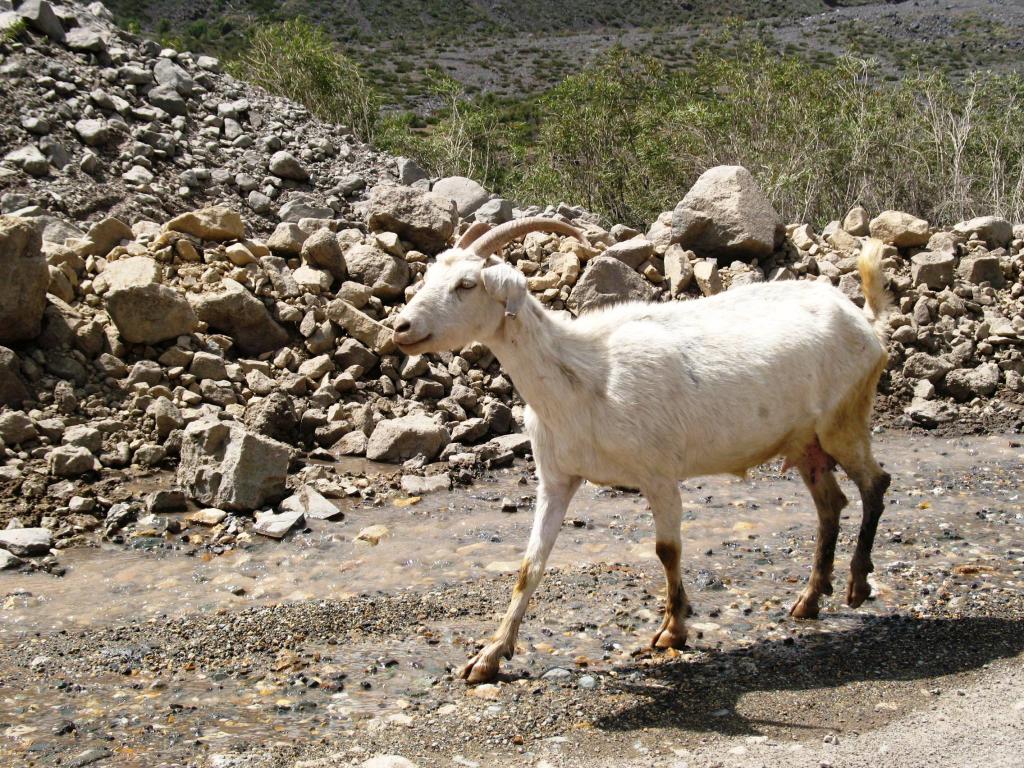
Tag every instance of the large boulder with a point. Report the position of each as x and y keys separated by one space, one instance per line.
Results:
x=996 y=231
x=425 y=219
x=385 y=275
x=12 y=387
x=231 y=308
x=395 y=440
x=24 y=278
x=607 y=280
x=217 y=222
x=144 y=310
x=899 y=229
x=467 y=194
x=726 y=215
x=26 y=542
x=227 y=466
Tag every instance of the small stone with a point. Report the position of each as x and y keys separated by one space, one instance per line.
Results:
x=276 y=526
x=26 y=542
x=286 y=165
x=373 y=534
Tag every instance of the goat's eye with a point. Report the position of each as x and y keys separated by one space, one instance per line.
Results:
x=465 y=284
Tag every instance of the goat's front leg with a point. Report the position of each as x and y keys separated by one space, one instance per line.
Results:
x=667 y=508
x=553 y=496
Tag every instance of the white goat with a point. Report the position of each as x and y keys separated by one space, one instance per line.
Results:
x=645 y=395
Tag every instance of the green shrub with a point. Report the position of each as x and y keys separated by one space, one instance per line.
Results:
x=297 y=60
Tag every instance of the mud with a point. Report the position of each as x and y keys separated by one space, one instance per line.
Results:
x=321 y=645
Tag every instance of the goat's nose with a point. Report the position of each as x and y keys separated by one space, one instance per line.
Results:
x=402 y=326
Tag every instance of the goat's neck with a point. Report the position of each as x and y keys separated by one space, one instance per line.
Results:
x=551 y=364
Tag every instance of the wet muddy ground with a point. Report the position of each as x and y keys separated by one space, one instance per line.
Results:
x=274 y=654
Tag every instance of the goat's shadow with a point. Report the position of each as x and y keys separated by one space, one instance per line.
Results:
x=703 y=695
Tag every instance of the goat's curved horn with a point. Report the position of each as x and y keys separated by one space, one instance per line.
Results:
x=476 y=229
x=505 y=233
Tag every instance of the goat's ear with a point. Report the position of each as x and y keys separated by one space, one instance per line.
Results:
x=507 y=284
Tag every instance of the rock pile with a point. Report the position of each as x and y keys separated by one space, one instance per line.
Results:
x=191 y=328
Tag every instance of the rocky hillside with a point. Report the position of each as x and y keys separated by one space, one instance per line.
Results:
x=198 y=280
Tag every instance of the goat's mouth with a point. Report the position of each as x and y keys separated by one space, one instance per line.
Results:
x=408 y=347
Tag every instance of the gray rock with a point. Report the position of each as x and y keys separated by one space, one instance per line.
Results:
x=409 y=171
x=982 y=268
x=301 y=207
x=276 y=526
x=705 y=272
x=467 y=194
x=856 y=221
x=385 y=275
x=494 y=212
x=933 y=269
x=16 y=428
x=742 y=223
x=996 y=231
x=228 y=466
x=40 y=16
x=924 y=366
x=169 y=74
x=92 y=132
x=144 y=311
x=9 y=560
x=287 y=166
x=24 y=280
x=633 y=252
x=414 y=485
x=931 y=413
x=322 y=250
x=311 y=504
x=30 y=160
x=26 y=542
x=168 y=99
x=608 y=281
x=361 y=326
x=71 y=461
x=425 y=219
x=395 y=440
x=233 y=309
x=967 y=383
x=13 y=390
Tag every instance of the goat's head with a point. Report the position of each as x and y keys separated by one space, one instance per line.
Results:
x=468 y=291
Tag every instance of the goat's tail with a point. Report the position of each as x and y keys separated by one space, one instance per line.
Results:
x=872 y=280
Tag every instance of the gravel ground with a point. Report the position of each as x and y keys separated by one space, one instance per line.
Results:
x=927 y=673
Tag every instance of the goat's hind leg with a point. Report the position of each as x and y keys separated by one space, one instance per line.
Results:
x=816 y=470
x=553 y=496
x=667 y=508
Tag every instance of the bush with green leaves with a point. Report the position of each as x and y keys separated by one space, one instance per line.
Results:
x=298 y=60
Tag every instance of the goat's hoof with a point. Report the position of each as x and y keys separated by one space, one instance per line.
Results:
x=857 y=591
x=482 y=668
x=806 y=607
x=669 y=638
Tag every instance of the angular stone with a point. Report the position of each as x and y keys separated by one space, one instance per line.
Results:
x=276 y=526
x=231 y=308
x=322 y=250
x=169 y=74
x=71 y=461
x=899 y=229
x=225 y=465
x=967 y=383
x=144 y=311
x=856 y=221
x=414 y=485
x=495 y=212
x=217 y=222
x=168 y=99
x=996 y=231
x=13 y=390
x=24 y=279
x=309 y=502
x=632 y=252
x=286 y=166
x=983 y=268
x=924 y=366
x=103 y=236
x=30 y=160
x=678 y=268
x=395 y=440
x=467 y=194
x=26 y=542
x=362 y=327
x=425 y=219
x=708 y=280
x=41 y=17
x=932 y=269
x=385 y=275
x=742 y=224
x=608 y=281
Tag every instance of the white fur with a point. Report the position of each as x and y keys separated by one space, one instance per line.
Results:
x=643 y=395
